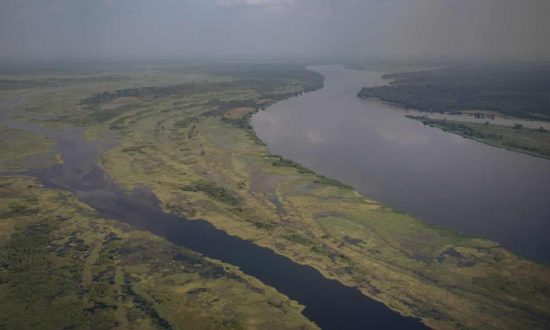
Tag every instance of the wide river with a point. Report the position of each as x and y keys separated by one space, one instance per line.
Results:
x=328 y=303
x=441 y=178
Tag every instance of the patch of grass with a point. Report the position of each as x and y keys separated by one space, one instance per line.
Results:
x=63 y=267
x=216 y=192
x=297 y=238
x=280 y=161
x=21 y=150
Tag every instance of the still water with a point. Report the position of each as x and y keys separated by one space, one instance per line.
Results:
x=441 y=178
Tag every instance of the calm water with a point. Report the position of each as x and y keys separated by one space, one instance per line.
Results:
x=328 y=303
x=439 y=177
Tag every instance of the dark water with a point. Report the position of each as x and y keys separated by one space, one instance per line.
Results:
x=329 y=304
x=441 y=178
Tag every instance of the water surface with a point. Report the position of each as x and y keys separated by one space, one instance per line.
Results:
x=328 y=303
x=438 y=177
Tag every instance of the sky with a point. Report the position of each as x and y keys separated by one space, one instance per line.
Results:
x=88 y=29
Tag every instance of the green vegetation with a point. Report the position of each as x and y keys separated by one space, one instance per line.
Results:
x=534 y=142
x=62 y=267
x=514 y=91
x=199 y=155
x=446 y=279
x=21 y=150
x=521 y=92
x=280 y=161
x=218 y=193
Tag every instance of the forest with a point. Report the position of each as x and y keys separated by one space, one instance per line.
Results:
x=518 y=90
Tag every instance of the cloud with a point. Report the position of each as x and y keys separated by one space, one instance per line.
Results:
x=463 y=29
x=255 y=3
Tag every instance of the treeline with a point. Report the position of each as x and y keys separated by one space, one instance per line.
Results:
x=13 y=84
x=274 y=72
x=262 y=78
x=220 y=107
x=519 y=92
x=153 y=91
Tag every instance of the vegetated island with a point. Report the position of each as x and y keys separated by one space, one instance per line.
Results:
x=535 y=142
x=192 y=144
x=521 y=92
x=63 y=267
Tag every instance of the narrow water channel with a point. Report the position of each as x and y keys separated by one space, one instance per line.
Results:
x=328 y=303
x=438 y=177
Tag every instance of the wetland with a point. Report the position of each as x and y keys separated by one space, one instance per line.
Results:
x=188 y=164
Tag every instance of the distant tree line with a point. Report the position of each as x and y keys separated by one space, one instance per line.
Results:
x=519 y=92
x=262 y=81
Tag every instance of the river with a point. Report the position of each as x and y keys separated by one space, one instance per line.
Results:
x=328 y=303
x=438 y=177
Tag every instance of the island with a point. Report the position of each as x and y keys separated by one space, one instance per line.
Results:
x=516 y=93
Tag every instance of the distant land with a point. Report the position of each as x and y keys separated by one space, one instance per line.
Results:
x=515 y=92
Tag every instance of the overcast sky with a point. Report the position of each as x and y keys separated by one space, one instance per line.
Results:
x=503 y=29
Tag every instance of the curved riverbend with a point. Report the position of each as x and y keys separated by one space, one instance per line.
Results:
x=328 y=303
x=439 y=177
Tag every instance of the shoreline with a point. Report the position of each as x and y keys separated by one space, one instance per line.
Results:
x=371 y=252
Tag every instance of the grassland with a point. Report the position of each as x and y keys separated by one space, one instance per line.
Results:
x=202 y=162
x=62 y=267
x=21 y=150
x=529 y=141
x=197 y=152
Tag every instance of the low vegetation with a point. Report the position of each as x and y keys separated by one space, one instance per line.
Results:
x=212 y=190
x=62 y=267
x=21 y=150
x=441 y=276
x=204 y=162
x=534 y=142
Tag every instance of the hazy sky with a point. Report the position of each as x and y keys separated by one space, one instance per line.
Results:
x=188 y=28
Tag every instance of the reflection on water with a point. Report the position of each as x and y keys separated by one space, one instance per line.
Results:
x=439 y=177
x=328 y=303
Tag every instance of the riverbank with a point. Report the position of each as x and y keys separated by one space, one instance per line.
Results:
x=514 y=97
x=65 y=267
x=203 y=164
x=203 y=161
x=81 y=174
x=534 y=142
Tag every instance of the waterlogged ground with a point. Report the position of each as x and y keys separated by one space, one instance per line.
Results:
x=195 y=150
x=63 y=267
x=202 y=162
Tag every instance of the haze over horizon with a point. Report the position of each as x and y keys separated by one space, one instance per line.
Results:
x=135 y=29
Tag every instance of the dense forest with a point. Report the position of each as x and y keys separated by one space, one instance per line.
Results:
x=520 y=91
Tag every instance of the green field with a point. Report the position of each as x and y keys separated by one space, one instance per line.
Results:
x=192 y=144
